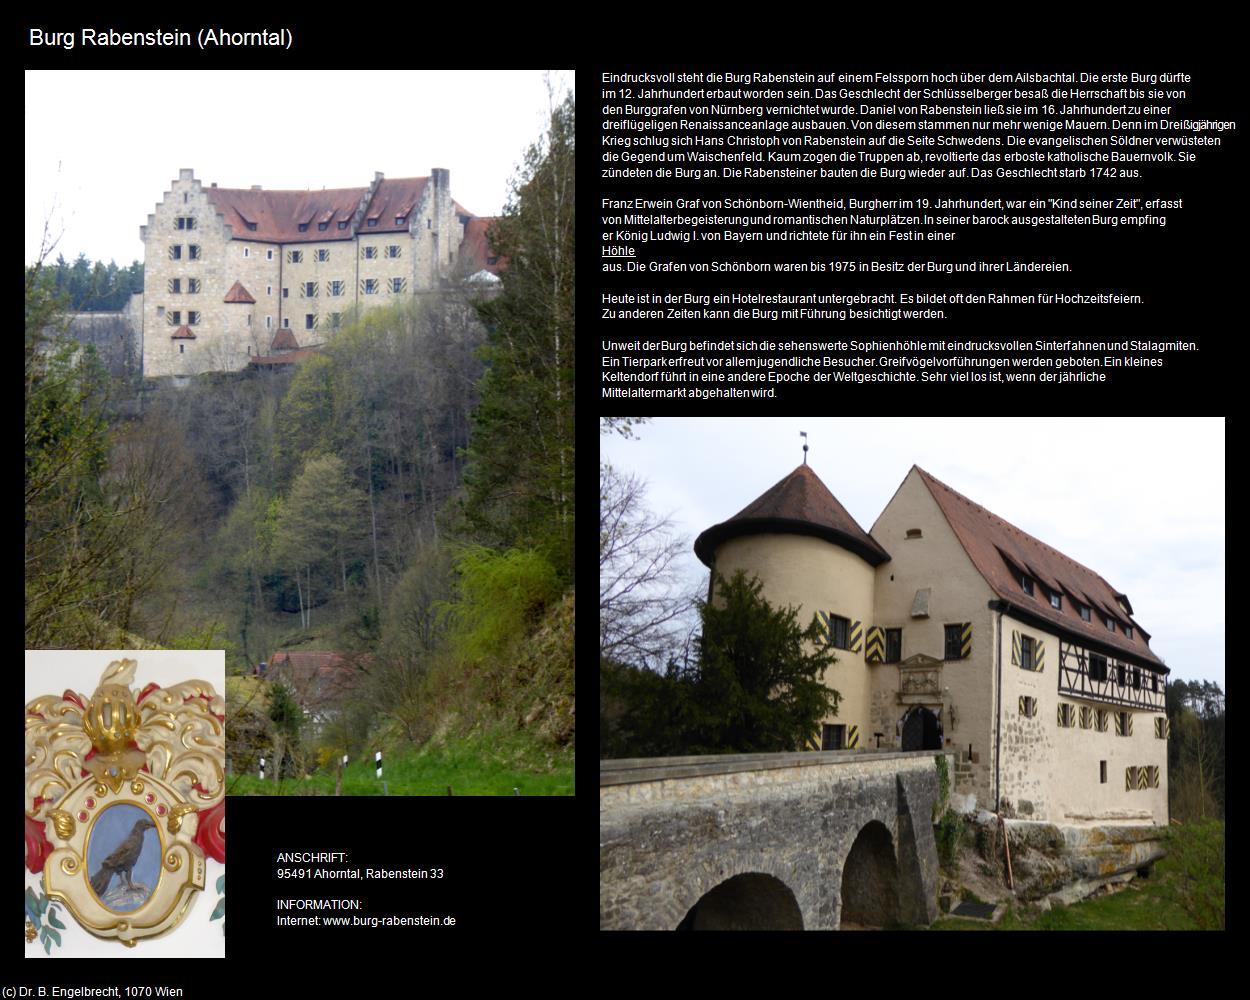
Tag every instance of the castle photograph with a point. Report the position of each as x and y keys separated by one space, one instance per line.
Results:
x=924 y=661
x=300 y=388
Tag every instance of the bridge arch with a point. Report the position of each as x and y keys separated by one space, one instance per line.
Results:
x=748 y=902
x=870 y=879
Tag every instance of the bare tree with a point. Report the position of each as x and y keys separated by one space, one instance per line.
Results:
x=639 y=610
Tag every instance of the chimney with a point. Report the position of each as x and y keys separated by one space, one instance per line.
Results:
x=256 y=187
x=214 y=184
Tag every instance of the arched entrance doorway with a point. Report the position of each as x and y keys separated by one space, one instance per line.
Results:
x=921 y=730
x=870 y=880
x=752 y=902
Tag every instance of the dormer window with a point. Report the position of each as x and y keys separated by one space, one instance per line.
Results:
x=1026 y=584
x=1128 y=631
x=303 y=227
x=1056 y=601
x=342 y=225
x=1110 y=623
x=1084 y=613
x=322 y=226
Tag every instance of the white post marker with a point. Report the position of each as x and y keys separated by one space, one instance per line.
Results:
x=262 y=769
x=378 y=760
x=344 y=760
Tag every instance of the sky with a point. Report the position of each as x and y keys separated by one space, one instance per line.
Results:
x=1138 y=500
x=103 y=146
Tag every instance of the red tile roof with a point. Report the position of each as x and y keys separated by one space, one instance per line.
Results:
x=393 y=198
x=182 y=333
x=317 y=679
x=238 y=293
x=476 y=247
x=800 y=504
x=284 y=340
x=995 y=546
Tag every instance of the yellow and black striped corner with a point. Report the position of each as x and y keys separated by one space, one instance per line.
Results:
x=1143 y=778
x=965 y=641
x=1039 y=656
x=876 y=645
x=1028 y=706
x=857 y=636
x=824 y=621
x=852 y=737
x=1130 y=779
x=1015 y=648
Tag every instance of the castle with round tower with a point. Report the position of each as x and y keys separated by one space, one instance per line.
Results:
x=955 y=629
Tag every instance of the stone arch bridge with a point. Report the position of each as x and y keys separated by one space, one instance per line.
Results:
x=770 y=841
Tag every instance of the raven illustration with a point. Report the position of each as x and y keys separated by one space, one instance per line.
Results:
x=123 y=858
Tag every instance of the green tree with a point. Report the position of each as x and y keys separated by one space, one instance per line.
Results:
x=759 y=682
x=320 y=526
x=756 y=684
x=520 y=480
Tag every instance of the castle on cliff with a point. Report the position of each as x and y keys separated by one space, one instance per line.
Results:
x=236 y=277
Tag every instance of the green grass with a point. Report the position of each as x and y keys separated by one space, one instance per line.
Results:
x=474 y=766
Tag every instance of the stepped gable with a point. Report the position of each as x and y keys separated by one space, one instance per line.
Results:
x=994 y=546
x=800 y=504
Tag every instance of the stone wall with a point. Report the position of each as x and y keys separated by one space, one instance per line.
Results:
x=666 y=843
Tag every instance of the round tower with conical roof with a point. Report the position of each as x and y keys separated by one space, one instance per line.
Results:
x=809 y=552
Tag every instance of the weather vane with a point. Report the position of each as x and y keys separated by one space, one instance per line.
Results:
x=803 y=435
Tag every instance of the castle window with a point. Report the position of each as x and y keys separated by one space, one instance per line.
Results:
x=373 y=222
x=322 y=226
x=1120 y=674
x=1128 y=631
x=1084 y=613
x=247 y=251
x=1086 y=717
x=187 y=222
x=397 y=284
x=175 y=286
x=1100 y=719
x=1066 y=716
x=268 y=255
x=303 y=227
x=911 y=532
x=175 y=252
x=1102 y=772
x=342 y=225
x=369 y=286
x=193 y=319
x=160 y=311
x=954 y=635
x=1097 y=667
x=335 y=287
x=174 y=318
x=1161 y=728
x=1027 y=706
x=193 y=251
x=193 y=285
x=1137 y=678
x=369 y=253
x=839 y=629
x=1124 y=723
x=308 y=289
x=323 y=255
x=392 y=250
x=286 y=293
x=249 y=319
x=1110 y=624
x=269 y=289
x=286 y=322
x=1026 y=652
x=833 y=737
x=1026 y=584
x=182 y=348
x=893 y=645
x=268 y=322
x=310 y=321
x=1056 y=601
x=1154 y=681
x=295 y=256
